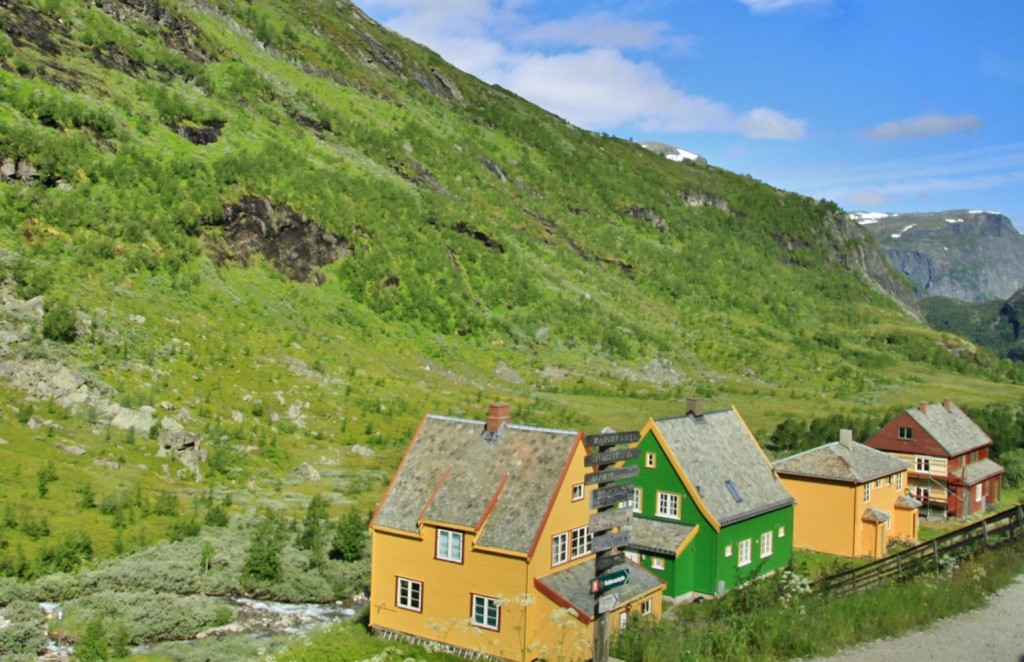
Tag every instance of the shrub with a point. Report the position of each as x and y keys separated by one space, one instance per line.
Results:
x=23 y=637
x=60 y=322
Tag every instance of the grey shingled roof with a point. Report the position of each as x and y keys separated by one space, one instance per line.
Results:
x=656 y=536
x=951 y=428
x=978 y=471
x=717 y=450
x=573 y=584
x=875 y=515
x=855 y=463
x=451 y=474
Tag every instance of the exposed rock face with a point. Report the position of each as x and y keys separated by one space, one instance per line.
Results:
x=295 y=245
x=967 y=255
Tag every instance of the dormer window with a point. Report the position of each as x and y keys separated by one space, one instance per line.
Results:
x=906 y=434
x=449 y=545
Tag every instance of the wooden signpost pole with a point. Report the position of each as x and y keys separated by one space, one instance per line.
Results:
x=605 y=500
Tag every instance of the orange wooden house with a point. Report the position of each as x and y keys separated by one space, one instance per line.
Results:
x=851 y=500
x=482 y=544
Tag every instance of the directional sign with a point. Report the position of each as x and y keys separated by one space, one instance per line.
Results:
x=611 y=580
x=610 y=495
x=611 y=457
x=608 y=541
x=608 y=560
x=611 y=475
x=610 y=519
x=611 y=439
x=606 y=603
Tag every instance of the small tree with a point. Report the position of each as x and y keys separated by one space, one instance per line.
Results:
x=349 y=543
x=46 y=475
x=263 y=562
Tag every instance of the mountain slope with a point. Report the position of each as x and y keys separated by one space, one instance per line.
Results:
x=960 y=254
x=281 y=233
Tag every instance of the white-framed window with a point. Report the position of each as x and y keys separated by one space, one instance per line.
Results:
x=668 y=505
x=559 y=548
x=646 y=607
x=744 y=553
x=637 y=499
x=978 y=493
x=650 y=460
x=486 y=612
x=657 y=563
x=906 y=433
x=581 y=541
x=449 y=545
x=409 y=594
x=623 y=619
x=888 y=480
x=899 y=481
x=878 y=484
x=728 y=551
x=577 y=491
x=867 y=492
x=782 y=532
x=888 y=519
x=766 y=544
x=924 y=464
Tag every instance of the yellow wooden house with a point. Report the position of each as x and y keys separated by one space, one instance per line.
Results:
x=851 y=500
x=481 y=544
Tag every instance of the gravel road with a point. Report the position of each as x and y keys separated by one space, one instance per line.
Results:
x=993 y=633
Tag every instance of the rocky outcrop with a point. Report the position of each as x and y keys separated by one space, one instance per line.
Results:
x=295 y=245
x=967 y=255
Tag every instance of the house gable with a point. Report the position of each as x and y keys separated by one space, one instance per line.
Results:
x=920 y=442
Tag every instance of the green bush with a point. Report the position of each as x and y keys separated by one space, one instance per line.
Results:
x=60 y=322
x=24 y=637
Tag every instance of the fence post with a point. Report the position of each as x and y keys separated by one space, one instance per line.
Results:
x=984 y=528
x=935 y=553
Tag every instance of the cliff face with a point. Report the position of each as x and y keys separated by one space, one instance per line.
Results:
x=965 y=255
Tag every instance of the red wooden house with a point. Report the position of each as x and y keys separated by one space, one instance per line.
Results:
x=949 y=457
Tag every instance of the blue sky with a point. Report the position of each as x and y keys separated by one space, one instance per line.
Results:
x=879 y=105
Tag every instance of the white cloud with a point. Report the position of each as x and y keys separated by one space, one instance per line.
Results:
x=769 y=124
x=767 y=6
x=605 y=30
x=576 y=67
x=924 y=126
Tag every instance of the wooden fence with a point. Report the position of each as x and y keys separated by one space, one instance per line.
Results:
x=990 y=532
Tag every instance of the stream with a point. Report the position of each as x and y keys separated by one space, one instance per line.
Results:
x=255 y=618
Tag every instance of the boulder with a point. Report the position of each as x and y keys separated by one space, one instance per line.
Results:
x=306 y=471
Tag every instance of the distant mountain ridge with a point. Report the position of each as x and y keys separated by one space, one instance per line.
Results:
x=970 y=255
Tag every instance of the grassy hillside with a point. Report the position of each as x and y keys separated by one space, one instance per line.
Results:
x=290 y=233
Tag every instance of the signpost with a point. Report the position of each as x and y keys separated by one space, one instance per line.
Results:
x=611 y=475
x=605 y=499
x=610 y=457
x=608 y=560
x=611 y=439
x=610 y=519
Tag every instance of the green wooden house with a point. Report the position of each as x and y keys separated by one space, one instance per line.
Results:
x=709 y=512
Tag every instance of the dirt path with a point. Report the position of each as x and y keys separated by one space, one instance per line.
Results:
x=993 y=633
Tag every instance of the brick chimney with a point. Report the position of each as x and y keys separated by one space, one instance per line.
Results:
x=922 y=407
x=846 y=438
x=947 y=404
x=497 y=414
x=695 y=406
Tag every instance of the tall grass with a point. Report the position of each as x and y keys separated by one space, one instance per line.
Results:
x=778 y=618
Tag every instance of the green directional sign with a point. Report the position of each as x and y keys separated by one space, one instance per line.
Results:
x=609 y=581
